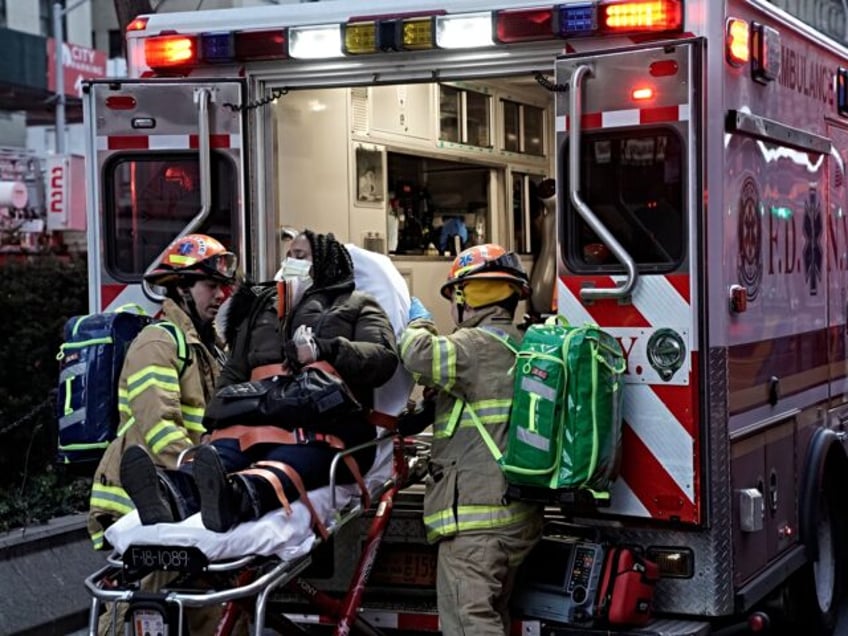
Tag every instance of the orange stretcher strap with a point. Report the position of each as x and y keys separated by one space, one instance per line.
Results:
x=248 y=436
x=336 y=442
x=275 y=482
x=389 y=422
x=268 y=371
x=294 y=476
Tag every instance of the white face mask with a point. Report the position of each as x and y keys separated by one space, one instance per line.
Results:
x=294 y=268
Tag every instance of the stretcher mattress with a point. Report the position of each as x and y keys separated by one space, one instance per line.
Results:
x=275 y=534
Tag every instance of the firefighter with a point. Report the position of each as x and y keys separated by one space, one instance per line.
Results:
x=162 y=391
x=481 y=539
x=161 y=397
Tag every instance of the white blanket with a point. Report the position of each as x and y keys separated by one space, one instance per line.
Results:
x=275 y=534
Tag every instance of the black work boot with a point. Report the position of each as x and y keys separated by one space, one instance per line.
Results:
x=146 y=486
x=224 y=500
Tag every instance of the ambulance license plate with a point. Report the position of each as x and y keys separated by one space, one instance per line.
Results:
x=405 y=564
x=150 y=558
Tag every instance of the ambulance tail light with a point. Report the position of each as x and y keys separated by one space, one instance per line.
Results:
x=642 y=94
x=524 y=25
x=464 y=31
x=165 y=52
x=674 y=562
x=737 y=42
x=653 y=16
x=663 y=68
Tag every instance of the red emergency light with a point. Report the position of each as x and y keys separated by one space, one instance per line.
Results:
x=139 y=24
x=524 y=25
x=165 y=52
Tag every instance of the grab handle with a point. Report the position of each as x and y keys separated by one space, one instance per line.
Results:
x=202 y=97
x=575 y=111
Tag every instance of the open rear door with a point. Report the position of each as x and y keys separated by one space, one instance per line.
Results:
x=627 y=218
x=168 y=160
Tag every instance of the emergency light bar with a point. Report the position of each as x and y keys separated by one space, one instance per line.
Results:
x=410 y=32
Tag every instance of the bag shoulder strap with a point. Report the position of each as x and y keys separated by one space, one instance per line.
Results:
x=459 y=404
x=501 y=336
x=183 y=350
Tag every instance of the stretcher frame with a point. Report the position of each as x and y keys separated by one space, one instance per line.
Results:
x=259 y=576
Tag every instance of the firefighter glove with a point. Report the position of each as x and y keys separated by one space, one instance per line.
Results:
x=418 y=310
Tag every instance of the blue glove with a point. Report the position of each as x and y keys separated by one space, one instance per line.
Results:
x=418 y=310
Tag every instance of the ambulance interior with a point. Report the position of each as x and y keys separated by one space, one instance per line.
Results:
x=416 y=171
x=420 y=171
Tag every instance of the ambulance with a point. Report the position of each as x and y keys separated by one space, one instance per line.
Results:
x=698 y=149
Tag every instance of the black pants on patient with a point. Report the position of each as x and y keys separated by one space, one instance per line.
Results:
x=311 y=461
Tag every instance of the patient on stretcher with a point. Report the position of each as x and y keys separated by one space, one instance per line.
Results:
x=250 y=467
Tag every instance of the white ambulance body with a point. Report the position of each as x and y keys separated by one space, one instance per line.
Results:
x=699 y=152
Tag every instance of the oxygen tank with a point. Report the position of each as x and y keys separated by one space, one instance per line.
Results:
x=543 y=276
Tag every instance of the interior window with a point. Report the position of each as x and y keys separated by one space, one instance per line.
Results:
x=150 y=198
x=633 y=182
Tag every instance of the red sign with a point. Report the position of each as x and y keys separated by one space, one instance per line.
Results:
x=78 y=62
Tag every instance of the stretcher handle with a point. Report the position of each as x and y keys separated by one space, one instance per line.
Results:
x=575 y=112
x=350 y=451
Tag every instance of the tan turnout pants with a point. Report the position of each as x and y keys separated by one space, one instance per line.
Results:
x=475 y=577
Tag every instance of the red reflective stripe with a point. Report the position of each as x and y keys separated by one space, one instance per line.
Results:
x=651 y=483
x=607 y=312
x=127 y=142
x=659 y=114
x=680 y=282
x=108 y=293
x=215 y=141
x=587 y=120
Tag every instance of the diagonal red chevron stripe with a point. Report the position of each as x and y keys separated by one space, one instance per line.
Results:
x=680 y=399
x=680 y=282
x=649 y=481
x=607 y=313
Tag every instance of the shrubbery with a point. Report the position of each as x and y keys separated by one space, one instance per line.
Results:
x=37 y=295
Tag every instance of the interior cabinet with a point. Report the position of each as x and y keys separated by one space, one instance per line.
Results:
x=404 y=109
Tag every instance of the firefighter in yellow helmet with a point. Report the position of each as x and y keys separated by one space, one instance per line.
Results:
x=481 y=540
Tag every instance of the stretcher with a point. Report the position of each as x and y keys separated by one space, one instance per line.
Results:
x=240 y=569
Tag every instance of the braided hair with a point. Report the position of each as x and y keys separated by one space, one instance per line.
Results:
x=331 y=262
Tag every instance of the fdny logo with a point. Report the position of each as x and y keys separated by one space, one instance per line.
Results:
x=813 y=229
x=749 y=266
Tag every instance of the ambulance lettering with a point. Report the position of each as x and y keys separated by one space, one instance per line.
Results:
x=837 y=238
x=627 y=349
x=807 y=77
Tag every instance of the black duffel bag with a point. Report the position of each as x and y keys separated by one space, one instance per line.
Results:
x=314 y=397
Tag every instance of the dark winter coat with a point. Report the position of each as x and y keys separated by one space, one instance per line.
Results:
x=352 y=331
